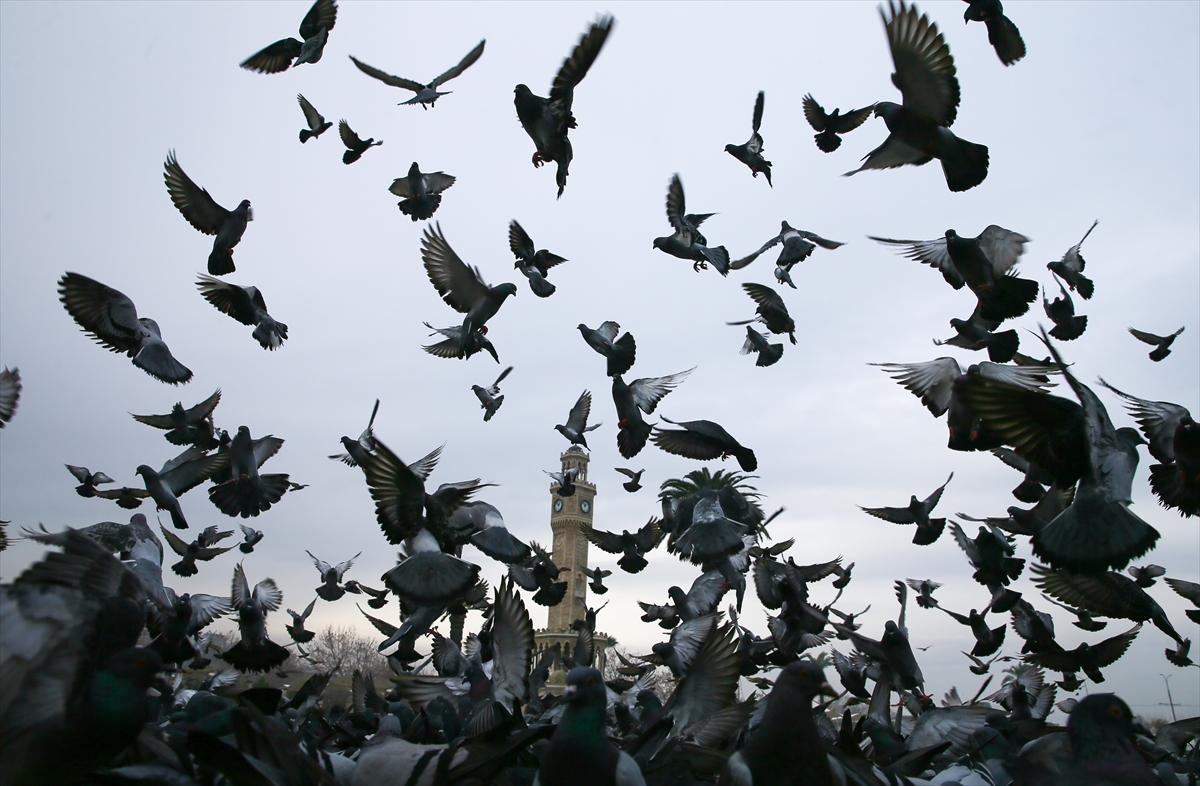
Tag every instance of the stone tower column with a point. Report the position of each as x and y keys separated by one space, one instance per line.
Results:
x=570 y=547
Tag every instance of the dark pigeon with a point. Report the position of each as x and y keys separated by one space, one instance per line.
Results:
x=111 y=319
x=750 y=153
x=579 y=753
x=620 y=352
x=10 y=393
x=489 y=397
x=426 y=94
x=1067 y=326
x=758 y=344
x=635 y=479
x=296 y=630
x=247 y=493
x=917 y=512
x=355 y=146
x=1089 y=659
x=288 y=52
x=183 y=426
x=798 y=245
x=357 y=448
x=255 y=652
x=830 y=126
x=420 y=193
x=88 y=480
x=182 y=473
x=1070 y=268
x=704 y=440
x=456 y=341
x=987 y=640
x=1161 y=344
x=534 y=263
x=1003 y=35
x=317 y=124
x=246 y=305
x=331 y=576
x=205 y=215
x=772 y=311
x=687 y=242
x=576 y=427
x=199 y=549
x=979 y=333
x=632 y=546
x=460 y=286
x=250 y=539
x=632 y=400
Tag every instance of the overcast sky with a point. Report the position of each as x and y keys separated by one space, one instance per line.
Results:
x=1099 y=121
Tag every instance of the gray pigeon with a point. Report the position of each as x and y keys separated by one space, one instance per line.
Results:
x=427 y=94
x=635 y=479
x=181 y=474
x=10 y=393
x=355 y=145
x=331 y=576
x=357 y=448
x=565 y=481
x=489 y=397
x=830 y=125
x=421 y=193
x=199 y=549
x=533 y=262
x=1070 y=268
x=461 y=287
x=455 y=340
x=251 y=537
x=246 y=305
x=1003 y=35
x=917 y=512
x=1067 y=326
x=183 y=426
x=88 y=480
x=704 y=440
x=255 y=652
x=686 y=242
x=758 y=344
x=205 y=215
x=577 y=426
x=1161 y=344
x=317 y=124
x=287 y=52
x=111 y=319
x=631 y=400
x=798 y=246
x=296 y=629
x=772 y=311
x=750 y=153
x=621 y=352
x=247 y=493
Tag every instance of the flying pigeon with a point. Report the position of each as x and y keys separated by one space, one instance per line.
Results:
x=454 y=339
x=756 y=343
x=378 y=597
x=1067 y=326
x=182 y=473
x=750 y=153
x=247 y=493
x=331 y=576
x=357 y=448
x=317 y=124
x=251 y=537
x=830 y=126
x=704 y=440
x=461 y=287
x=924 y=589
x=798 y=245
x=565 y=481
x=632 y=400
x=1070 y=268
x=489 y=397
x=533 y=262
x=772 y=311
x=254 y=652
x=917 y=512
x=296 y=629
x=635 y=479
x=919 y=130
x=1161 y=344
x=978 y=333
x=205 y=215
x=633 y=546
x=420 y=193
x=577 y=427
x=182 y=425
x=246 y=305
x=88 y=480
x=355 y=146
x=549 y=120
x=620 y=352
x=199 y=549
x=10 y=392
x=687 y=242
x=427 y=94
x=1003 y=35
x=111 y=319
x=287 y=52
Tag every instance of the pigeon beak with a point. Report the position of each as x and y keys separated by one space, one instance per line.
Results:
x=827 y=690
x=569 y=691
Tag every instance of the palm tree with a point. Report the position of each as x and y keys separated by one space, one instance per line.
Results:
x=689 y=484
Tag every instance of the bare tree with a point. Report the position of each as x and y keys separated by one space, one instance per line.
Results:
x=350 y=649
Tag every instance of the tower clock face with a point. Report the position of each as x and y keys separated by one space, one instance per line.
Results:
x=558 y=505
x=585 y=506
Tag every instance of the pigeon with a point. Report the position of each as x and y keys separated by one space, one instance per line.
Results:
x=750 y=153
x=704 y=440
x=924 y=589
x=182 y=473
x=246 y=305
x=111 y=319
x=798 y=245
x=1070 y=268
x=1145 y=576
x=183 y=426
x=549 y=120
x=756 y=343
x=427 y=94
x=88 y=480
x=1161 y=344
x=982 y=263
x=632 y=546
x=772 y=311
x=317 y=124
x=331 y=576
x=579 y=751
x=620 y=352
x=420 y=193
x=535 y=263
x=987 y=640
x=990 y=552
x=919 y=130
x=1087 y=658
x=830 y=126
x=357 y=448
x=1189 y=590
x=378 y=597
x=296 y=629
x=635 y=479
x=632 y=400
x=489 y=397
x=428 y=576
x=205 y=215
x=288 y=52
x=565 y=481
x=538 y=574
x=577 y=427
x=1003 y=35
x=254 y=652
x=979 y=333
x=460 y=286
x=1083 y=618
x=471 y=343
x=597 y=576
x=686 y=242
x=247 y=493
x=251 y=537
x=1067 y=326
x=398 y=490
x=355 y=146
x=199 y=549
x=10 y=393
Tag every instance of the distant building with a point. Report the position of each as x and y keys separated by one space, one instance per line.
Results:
x=570 y=554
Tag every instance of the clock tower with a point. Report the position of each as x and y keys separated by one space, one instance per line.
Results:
x=570 y=547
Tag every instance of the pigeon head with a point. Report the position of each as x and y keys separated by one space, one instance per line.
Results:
x=886 y=109
x=951 y=234
x=1130 y=436
x=584 y=686
x=143 y=470
x=731 y=148
x=243 y=208
x=504 y=290
x=660 y=242
x=806 y=677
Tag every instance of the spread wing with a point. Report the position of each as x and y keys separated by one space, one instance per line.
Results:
x=925 y=72
x=1002 y=247
x=605 y=541
x=575 y=67
x=463 y=65
x=107 y=315
x=932 y=381
x=241 y=303
x=458 y=285
x=311 y=115
x=577 y=420
x=649 y=391
x=519 y=241
x=929 y=252
x=200 y=209
x=386 y=78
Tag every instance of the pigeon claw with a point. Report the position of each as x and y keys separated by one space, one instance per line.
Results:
x=540 y=157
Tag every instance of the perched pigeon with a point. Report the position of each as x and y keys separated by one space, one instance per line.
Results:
x=460 y=286
x=756 y=343
x=287 y=52
x=317 y=124
x=247 y=493
x=254 y=652
x=246 y=305
x=704 y=440
x=917 y=512
x=620 y=352
x=642 y=395
x=750 y=153
x=830 y=126
x=182 y=473
x=798 y=245
x=1067 y=326
x=772 y=311
x=357 y=448
x=296 y=629
x=686 y=242
x=111 y=319
x=420 y=193
x=205 y=215
x=489 y=397
x=199 y=549
x=355 y=146
x=331 y=576
x=635 y=479
x=1003 y=35
x=427 y=94
x=919 y=130
x=577 y=427
x=533 y=262
x=1070 y=268
x=10 y=392
x=549 y=120
x=183 y=426
x=1161 y=344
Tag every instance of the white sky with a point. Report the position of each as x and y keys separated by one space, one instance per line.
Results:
x=1098 y=122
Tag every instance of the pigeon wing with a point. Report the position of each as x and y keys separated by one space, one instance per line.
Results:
x=575 y=67
x=925 y=72
x=321 y=16
x=578 y=418
x=268 y=595
x=200 y=209
x=230 y=299
x=929 y=252
x=463 y=65
x=512 y=644
x=814 y=113
x=932 y=382
x=311 y=115
x=852 y=120
x=274 y=58
x=647 y=392
x=758 y=113
x=1002 y=247
x=519 y=241
x=458 y=285
x=605 y=541
x=1158 y=421
x=107 y=315
x=176 y=543
x=386 y=78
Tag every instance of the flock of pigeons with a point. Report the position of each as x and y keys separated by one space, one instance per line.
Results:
x=93 y=626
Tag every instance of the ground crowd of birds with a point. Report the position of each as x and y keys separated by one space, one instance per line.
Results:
x=92 y=627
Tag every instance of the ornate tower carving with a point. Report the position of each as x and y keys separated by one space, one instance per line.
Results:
x=570 y=547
